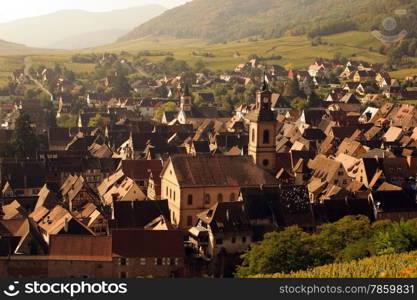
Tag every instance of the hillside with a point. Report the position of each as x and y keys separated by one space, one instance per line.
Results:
x=391 y=266
x=295 y=50
x=226 y=20
x=67 y=29
x=14 y=48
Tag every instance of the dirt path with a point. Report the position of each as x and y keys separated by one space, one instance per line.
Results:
x=28 y=64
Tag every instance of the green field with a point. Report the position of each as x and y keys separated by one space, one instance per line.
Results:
x=8 y=64
x=401 y=74
x=63 y=59
x=294 y=50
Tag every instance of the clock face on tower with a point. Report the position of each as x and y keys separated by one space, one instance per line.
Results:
x=265 y=100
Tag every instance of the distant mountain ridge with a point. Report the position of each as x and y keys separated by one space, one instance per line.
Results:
x=70 y=29
x=226 y=20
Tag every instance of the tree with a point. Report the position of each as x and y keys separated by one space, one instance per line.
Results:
x=24 y=141
x=170 y=106
x=293 y=249
x=292 y=89
x=121 y=86
x=98 y=122
x=50 y=118
x=284 y=251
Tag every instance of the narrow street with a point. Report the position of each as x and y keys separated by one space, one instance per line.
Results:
x=28 y=64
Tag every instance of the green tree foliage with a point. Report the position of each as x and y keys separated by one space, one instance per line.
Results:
x=98 y=122
x=121 y=86
x=351 y=238
x=284 y=251
x=24 y=141
x=166 y=107
x=292 y=249
x=291 y=89
x=67 y=121
x=332 y=27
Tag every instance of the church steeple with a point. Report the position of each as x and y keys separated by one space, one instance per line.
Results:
x=262 y=130
x=263 y=103
x=186 y=98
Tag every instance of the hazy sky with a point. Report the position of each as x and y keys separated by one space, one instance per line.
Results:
x=17 y=9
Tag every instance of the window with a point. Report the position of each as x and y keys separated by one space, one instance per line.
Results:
x=219 y=241
x=172 y=261
x=166 y=191
x=170 y=194
x=233 y=240
x=190 y=221
x=174 y=196
x=244 y=239
x=190 y=200
x=340 y=173
x=266 y=139
x=123 y=262
x=220 y=197
x=265 y=162
x=336 y=182
x=253 y=135
x=207 y=199
x=158 y=261
x=143 y=261
x=123 y=274
x=232 y=197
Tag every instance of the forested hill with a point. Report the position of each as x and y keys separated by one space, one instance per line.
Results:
x=226 y=20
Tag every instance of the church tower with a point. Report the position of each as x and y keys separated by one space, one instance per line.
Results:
x=186 y=99
x=262 y=131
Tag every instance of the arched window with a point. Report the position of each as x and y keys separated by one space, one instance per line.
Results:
x=207 y=199
x=253 y=135
x=190 y=200
x=266 y=137
x=220 y=197
x=232 y=197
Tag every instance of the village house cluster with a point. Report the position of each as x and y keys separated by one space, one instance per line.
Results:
x=187 y=196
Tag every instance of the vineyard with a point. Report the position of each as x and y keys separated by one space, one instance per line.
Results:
x=387 y=266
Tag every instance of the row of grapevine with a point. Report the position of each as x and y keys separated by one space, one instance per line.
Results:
x=386 y=266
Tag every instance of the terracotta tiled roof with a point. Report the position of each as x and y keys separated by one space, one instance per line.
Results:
x=130 y=243
x=83 y=248
x=220 y=171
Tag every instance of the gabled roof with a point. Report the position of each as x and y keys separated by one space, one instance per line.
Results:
x=226 y=217
x=219 y=171
x=138 y=214
x=83 y=248
x=130 y=243
x=140 y=169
